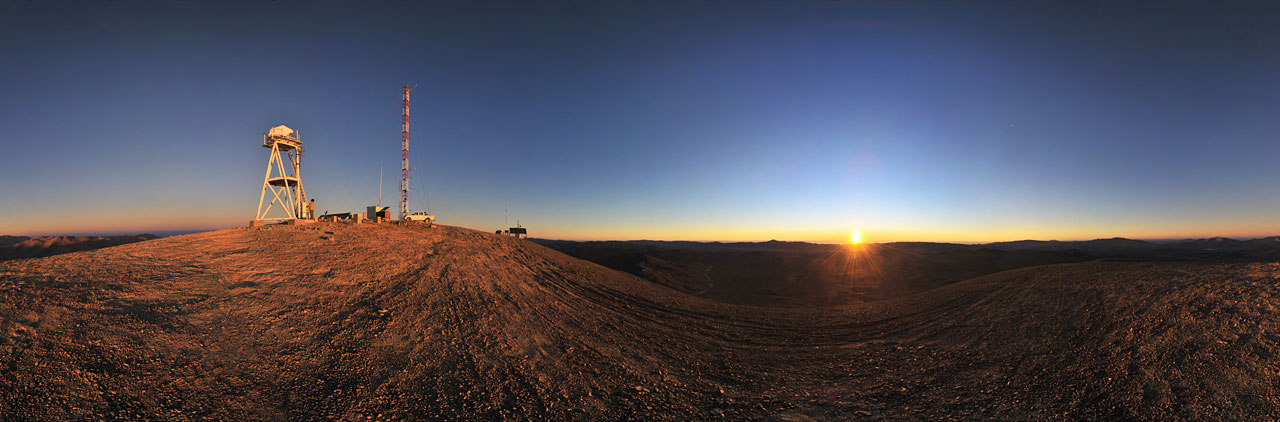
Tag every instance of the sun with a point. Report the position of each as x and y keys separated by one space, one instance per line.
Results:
x=855 y=238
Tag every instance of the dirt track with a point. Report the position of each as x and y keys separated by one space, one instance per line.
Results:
x=392 y=323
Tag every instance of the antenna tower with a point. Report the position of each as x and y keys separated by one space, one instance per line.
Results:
x=404 y=156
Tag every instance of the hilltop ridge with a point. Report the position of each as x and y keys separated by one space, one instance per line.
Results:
x=390 y=322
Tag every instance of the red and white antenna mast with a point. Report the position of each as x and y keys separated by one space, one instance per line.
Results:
x=404 y=156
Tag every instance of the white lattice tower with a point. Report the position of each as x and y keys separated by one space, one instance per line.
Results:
x=284 y=177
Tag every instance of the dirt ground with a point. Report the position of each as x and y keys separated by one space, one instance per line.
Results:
x=385 y=322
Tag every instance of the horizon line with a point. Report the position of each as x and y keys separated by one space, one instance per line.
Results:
x=179 y=232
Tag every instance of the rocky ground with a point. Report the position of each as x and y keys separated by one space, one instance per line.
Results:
x=386 y=322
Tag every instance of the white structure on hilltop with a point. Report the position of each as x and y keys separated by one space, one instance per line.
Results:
x=283 y=178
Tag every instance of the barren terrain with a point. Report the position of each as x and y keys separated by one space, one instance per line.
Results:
x=804 y=274
x=387 y=322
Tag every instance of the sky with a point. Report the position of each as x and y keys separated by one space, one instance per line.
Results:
x=707 y=120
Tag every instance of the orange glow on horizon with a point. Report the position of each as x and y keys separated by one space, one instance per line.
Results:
x=197 y=217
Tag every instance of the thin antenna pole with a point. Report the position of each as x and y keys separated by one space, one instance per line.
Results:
x=505 y=221
x=379 y=187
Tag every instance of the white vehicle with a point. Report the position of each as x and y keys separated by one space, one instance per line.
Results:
x=420 y=217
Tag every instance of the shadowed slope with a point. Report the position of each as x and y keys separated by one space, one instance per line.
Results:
x=6 y=240
x=395 y=322
x=804 y=274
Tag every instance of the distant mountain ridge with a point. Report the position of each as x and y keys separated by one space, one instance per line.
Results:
x=6 y=240
x=20 y=247
x=1042 y=244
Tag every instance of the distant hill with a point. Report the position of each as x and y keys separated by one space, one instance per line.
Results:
x=1267 y=242
x=6 y=240
x=18 y=247
x=1113 y=244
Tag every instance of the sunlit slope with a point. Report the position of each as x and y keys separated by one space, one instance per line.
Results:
x=393 y=322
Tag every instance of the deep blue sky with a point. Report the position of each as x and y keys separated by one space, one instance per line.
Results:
x=624 y=120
